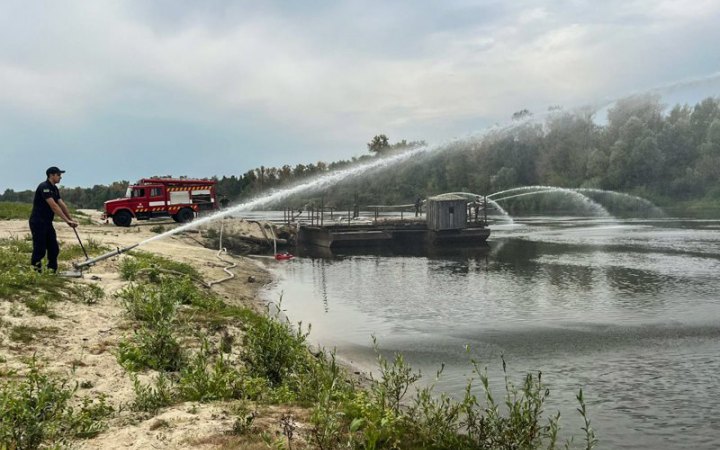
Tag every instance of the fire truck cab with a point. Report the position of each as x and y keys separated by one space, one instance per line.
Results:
x=179 y=198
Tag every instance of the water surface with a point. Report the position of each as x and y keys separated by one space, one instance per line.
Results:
x=626 y=309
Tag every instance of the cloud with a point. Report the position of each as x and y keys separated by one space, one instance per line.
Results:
x=325 y=76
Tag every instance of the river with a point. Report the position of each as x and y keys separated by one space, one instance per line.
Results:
x=627 y=310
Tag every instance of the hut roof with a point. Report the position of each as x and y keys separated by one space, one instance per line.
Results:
x=445 y=197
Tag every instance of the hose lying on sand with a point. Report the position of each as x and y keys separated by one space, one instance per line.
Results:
x=231 y=265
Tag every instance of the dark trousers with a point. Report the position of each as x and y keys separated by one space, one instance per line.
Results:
x=44 y=241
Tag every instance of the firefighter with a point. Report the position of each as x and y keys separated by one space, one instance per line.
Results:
x=46 y=204
x=224 y=202
x=418 y=205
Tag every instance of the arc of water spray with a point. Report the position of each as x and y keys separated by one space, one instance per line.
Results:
x=324 y=180
x=520 y=188
x=646 y=203
x=549 y=189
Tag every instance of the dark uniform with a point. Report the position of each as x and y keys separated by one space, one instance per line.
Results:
x=41 y=227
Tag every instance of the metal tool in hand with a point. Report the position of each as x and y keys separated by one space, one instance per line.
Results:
x=81 y=244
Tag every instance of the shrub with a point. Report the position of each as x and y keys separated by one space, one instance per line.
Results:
x=273 y=350
x=147 y=303
x=149 y=398
x=379 y=417
x=159 y=229
x=36 y=411
x=204 y=381
x=152 y=348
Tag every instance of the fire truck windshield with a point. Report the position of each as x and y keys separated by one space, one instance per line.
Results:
x=134 y=193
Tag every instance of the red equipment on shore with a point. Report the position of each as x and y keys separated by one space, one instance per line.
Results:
x=179 y=198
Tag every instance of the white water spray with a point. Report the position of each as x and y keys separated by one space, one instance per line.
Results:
x=520 y=188
x=322 y=181
x=536 y=190
x=632 y=198
x=645 y=204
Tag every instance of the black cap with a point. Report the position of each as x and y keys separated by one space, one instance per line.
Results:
x=53 y=170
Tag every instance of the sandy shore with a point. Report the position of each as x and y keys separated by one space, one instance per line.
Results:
x=85 y=337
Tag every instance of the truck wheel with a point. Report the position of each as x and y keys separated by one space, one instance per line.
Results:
x=185 y=215
x=175 y=217
x=122 y=219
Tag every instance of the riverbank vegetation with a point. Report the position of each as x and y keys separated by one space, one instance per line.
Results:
x=184 y=344
x=21 y=211
x=670 y=155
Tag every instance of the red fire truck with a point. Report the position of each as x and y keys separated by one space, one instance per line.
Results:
x=179 y=198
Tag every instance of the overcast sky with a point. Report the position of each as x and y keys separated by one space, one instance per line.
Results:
x=120 y=90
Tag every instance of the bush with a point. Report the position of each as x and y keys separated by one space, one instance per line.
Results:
x=203 y=381
x=159 y=229
x=147 y=302
x=149 y=398
x=380 y=418
x=152 y=348
x=273 y=350
x=37 y=411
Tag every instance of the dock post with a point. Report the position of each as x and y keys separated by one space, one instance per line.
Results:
x=485 y=209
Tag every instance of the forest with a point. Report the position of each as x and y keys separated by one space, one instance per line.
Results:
x=667 y=154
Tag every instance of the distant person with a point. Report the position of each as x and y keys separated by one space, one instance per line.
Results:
x=46 y=204
x=476 y=207
x=418 y=205
x=224 y=202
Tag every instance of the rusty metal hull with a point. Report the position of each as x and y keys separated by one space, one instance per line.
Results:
x=334 y=236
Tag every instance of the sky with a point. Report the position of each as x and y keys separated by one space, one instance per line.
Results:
x=121 y=90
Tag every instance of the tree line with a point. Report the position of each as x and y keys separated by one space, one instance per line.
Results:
x=642 y=148
x=234 y=187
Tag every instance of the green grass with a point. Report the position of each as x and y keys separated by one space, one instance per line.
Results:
x=139 y=263
x=38 y=411
x=73 y=251
x=17 y=277
x=38 y=291
x=15 y=210
x=21 y=211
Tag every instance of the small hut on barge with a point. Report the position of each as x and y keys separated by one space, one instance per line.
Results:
x=446 y=222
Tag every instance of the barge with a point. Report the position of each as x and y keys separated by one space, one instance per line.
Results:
x=448 y=221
